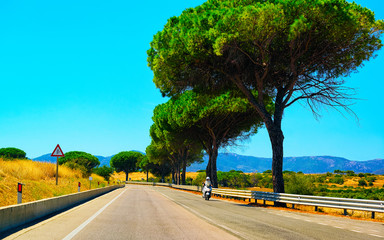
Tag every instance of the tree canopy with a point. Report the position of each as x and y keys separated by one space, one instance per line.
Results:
x=171 y=143
x=11 y=153
x=214 y=120
x=126 y=161
x=160 y=159
x=80 y=160
x=104 y=171
x=288 y=50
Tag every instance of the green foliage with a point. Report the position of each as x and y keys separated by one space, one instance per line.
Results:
x=338 y=179
x=233 y=179
x=371 y=179
x=144 y=165
x=200 y=178
x=12 y=153
x=126 y=161
x=300 y=184
x=104 y=171
x=264 y=33
x=321 y=178
x=80 y=160
x=285 y=50
x=362 y=183
x=359 y=193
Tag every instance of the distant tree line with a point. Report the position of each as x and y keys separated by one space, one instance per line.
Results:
x=12 y=153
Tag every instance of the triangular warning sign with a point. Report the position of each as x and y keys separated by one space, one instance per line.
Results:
x=57 y=152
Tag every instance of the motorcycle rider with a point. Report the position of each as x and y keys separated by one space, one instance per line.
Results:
x=207 y=185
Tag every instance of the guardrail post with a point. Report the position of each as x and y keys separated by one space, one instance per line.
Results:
x=373 y=215
x=293 y=206
x=264 y=202
x=19 y=192
x=345 y=212
x=316 y=209
x=79 y=185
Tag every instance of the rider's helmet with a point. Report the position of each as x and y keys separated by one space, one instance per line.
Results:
x=207 y=178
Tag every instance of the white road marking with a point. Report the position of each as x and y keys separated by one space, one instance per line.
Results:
x=206 y=218
x=374 y=235
x=356 y=231
x=79 y=228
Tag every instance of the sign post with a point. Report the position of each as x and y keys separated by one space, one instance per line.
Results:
x=19 y=192
x=57 y=153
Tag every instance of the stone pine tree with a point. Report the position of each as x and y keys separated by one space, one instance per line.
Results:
x=159 y=157
x=181 y=149
x=216 y=121
x=289 y=50
x=83 y=161
x=126 y=162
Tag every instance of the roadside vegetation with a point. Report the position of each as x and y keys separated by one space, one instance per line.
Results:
x=345 y=184
x=40 y=180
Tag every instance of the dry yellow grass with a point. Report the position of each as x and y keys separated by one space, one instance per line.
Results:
x=40 y=181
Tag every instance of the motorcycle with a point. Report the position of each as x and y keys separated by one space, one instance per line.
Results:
x=207 y=193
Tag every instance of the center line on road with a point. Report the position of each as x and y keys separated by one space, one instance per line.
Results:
x=79 y=228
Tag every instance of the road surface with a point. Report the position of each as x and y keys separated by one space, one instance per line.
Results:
x=146 y=212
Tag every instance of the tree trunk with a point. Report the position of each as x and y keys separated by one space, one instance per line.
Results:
x=214 y=167
x=211 y=170
x=173 y=176
x=208 y=169
x=126 y=176
x=184 y=170
x=277 y=138
x=147 y=176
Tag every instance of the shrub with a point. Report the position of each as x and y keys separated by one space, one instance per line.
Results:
x=12 y=153
x=104 y=171
x=338 y=179
x=200 y=178
x=80 y=160
x=371 y=178
x=362 y=182
x=299 y=184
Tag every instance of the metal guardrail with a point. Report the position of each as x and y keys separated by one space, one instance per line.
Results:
x=318 y=201
x=308 y=200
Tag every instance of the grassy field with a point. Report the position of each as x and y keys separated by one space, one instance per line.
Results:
x=40 y=181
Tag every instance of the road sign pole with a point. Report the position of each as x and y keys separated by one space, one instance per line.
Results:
x=57 y=153
x=57 y=170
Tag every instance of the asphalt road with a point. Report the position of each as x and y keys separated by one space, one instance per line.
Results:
x=146 y=212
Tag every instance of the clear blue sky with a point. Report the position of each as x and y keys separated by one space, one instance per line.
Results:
x=75 y=73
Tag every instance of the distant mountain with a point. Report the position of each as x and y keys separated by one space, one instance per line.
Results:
x=232 y=161
x=46 y=158
x=104 y=161
x=315 y=164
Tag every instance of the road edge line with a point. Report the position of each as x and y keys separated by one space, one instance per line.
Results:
x=84 y=224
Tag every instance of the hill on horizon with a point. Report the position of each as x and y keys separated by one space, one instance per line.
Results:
x=306 y=164
x=248 y=164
